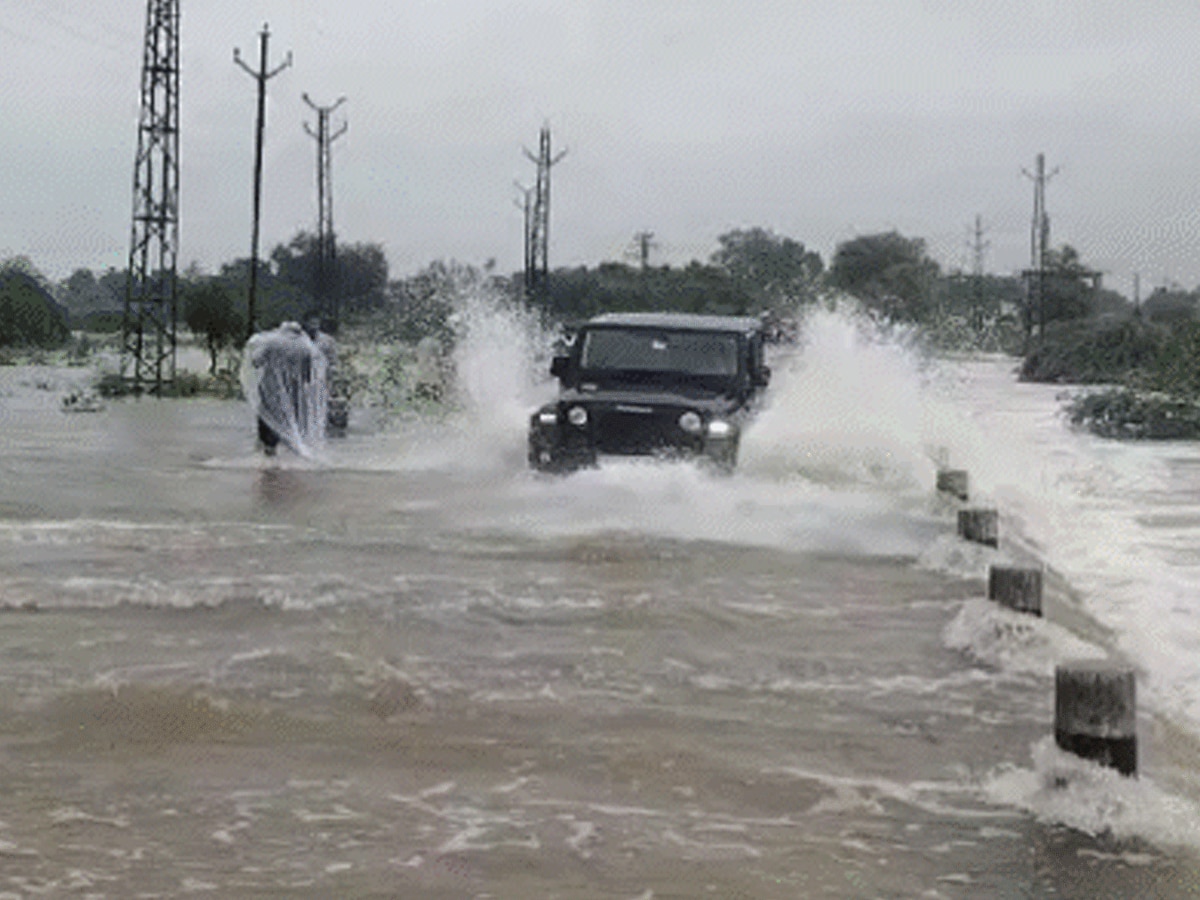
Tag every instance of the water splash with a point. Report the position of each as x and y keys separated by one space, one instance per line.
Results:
x=501 y=360
x=493 y=370
x=848 y=407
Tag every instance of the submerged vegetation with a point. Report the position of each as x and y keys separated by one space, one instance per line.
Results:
x=1129 y=413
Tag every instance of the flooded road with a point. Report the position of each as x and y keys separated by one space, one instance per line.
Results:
x=417 y=670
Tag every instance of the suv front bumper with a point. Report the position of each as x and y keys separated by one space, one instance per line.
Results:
x=555 y=444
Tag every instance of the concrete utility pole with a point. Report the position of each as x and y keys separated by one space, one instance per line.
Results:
x=525 y=204
x=537 y=271
x=262 y=76
x=1039 y=242
x=327 y=288
x=151 y=289
x=645 y=240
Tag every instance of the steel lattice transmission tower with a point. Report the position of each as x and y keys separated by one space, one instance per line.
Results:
x=326 y=274
x=148 y=329
x=979 y=248
x=537 y=261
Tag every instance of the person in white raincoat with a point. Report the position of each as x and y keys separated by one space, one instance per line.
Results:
x=284 y=376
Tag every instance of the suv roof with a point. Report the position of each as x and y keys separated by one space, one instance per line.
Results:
x=679 y=321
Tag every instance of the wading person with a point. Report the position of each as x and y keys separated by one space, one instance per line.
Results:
x=338 y=415
x=287 y=387
x=324 y=341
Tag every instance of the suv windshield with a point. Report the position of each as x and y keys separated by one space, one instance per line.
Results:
x=703 y=353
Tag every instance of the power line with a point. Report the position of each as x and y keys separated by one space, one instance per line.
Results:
x=262 y=76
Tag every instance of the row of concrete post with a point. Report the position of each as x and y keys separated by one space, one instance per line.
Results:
x=1095 y=708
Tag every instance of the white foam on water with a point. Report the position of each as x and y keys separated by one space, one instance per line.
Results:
x=951 y=799
x=951 y=555
x=1114 y=518
x=1064 y=789
x=684 y=502
x=1013 y=641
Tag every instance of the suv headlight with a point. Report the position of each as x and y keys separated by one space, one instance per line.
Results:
x=547 y=418
x=577 y=416
x=720 y=429
x=691 y=422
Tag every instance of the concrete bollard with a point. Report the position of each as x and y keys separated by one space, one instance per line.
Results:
x=982 y=526
x=1016 y=588
x=953 y=482
x=1095 y=713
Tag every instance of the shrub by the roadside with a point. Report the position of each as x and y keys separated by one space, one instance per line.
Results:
x=1130 y=414
x=223 y=386
x=1094 y=351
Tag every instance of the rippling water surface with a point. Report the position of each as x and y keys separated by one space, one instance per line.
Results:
x=419 y=671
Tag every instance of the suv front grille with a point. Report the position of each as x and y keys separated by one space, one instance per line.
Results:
x=633 y=430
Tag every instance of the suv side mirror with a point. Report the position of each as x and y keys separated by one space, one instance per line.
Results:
x=560 y=366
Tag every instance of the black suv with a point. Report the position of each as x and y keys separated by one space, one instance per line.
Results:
x=651 y=384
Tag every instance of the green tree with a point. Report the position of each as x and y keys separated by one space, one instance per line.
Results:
x=981 y=300
x=776 y=272
x=29 y=317
x=579 y=293
x=1171 y=306
x=423 y=303
x=84 y=294
x=360 y=278
x=295 y=263
x=275 y=301
x=362 y=271
x=1069 y=286
x=888 y=272
x=209 y=310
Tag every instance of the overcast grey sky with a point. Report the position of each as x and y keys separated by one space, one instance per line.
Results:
x=820 y=120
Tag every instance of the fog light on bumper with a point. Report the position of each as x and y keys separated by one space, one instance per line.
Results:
x=691 y=423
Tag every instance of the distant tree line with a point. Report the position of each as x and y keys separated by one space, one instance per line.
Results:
x=753 y=271
x=1067 y=327
x=890 y=275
